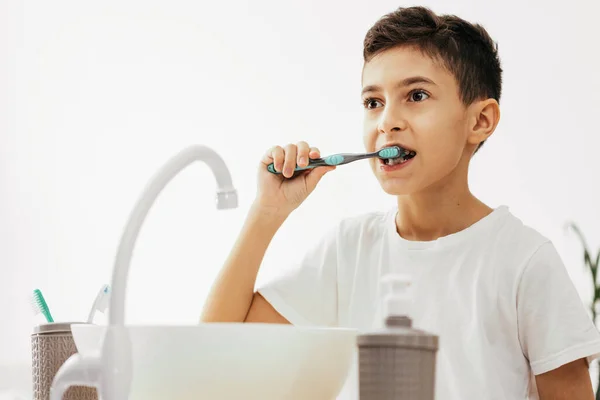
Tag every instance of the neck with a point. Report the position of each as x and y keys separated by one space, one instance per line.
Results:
x=442 y=209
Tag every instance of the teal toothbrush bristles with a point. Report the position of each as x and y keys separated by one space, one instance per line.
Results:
x=389 y=152
x=40 y=304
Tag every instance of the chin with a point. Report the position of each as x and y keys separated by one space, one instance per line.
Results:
x=397 y=187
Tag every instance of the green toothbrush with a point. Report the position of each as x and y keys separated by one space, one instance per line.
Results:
x=40 y=306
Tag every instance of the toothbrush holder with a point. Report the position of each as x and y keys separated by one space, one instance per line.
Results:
x=51 y=345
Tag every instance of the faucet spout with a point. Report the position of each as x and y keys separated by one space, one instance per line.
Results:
x=111 y=370
x=226 y=198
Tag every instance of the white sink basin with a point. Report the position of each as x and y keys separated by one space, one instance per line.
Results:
x=232 y=361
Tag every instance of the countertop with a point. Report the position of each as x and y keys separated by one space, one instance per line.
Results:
x=15 y=382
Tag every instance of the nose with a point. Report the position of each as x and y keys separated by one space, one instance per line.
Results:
x=390 y=121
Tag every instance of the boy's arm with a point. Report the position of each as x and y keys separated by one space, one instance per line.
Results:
x=568 y=382
x=556 y=333
x=232 y=297
x=262 y=311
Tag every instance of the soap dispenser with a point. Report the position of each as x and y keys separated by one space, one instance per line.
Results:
x=397 y=362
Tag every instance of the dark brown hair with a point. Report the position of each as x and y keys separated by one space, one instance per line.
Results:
x=463 y=48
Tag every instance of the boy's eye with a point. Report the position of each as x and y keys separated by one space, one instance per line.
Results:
x=418 y=95
x=371 y=103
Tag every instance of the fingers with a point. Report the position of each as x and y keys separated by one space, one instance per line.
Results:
x=314 y=152
x=289 y=164
x=286 y=159
x=276 y=156
x=303 y=152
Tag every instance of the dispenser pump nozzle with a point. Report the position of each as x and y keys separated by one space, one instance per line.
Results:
x=397 y=295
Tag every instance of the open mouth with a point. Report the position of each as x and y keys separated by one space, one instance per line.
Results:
x=404 y=157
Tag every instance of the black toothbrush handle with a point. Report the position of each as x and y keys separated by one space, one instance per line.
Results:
x=333 y=160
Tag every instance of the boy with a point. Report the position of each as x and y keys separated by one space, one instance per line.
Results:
x=496 y=292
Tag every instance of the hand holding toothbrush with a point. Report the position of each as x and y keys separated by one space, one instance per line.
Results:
x=278 y=194
x=304 y=164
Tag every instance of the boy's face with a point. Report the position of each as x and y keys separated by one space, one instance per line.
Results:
x=414 y=102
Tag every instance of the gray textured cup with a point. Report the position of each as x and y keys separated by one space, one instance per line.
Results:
x=397 y=362
x=51 y=345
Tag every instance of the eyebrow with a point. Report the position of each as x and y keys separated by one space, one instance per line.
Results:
x=405 y=82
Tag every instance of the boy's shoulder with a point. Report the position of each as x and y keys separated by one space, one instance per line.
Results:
x=510 y=245
x=513 y=232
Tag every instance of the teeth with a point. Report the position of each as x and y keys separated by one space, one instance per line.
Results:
x=400 y=160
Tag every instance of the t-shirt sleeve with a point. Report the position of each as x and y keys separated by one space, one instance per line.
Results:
x=554 y=326
x=306 y=294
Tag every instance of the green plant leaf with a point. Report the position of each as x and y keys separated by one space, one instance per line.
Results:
x=587 y=259
x=577 y=231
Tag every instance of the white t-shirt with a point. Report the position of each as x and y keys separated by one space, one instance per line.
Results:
x=497 y=294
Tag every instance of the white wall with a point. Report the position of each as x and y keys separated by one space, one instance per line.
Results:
x=95 y=96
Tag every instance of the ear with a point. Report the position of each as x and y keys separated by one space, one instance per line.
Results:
x=485 y=115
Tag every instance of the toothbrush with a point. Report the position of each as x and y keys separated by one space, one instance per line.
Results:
x=40 y=306
x=340 y=159
x=101 y=303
